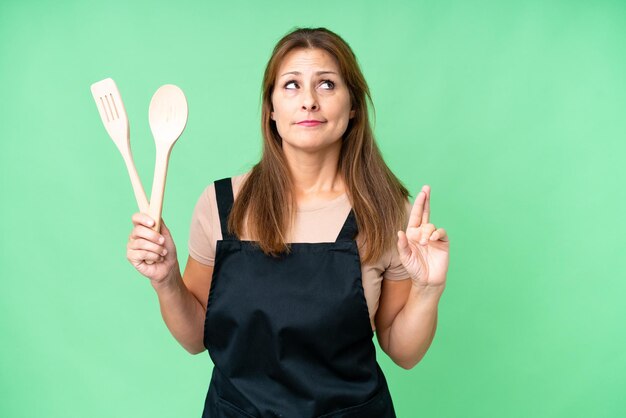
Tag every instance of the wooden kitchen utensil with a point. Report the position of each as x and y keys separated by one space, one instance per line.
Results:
x=115 y=120
x=168 y=117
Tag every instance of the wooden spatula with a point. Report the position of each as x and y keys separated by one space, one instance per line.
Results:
x=115 y=120
x=168 y=117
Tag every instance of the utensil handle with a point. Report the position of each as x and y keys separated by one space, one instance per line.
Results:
x=140 y=193
x=158 y=189
x=158 y=186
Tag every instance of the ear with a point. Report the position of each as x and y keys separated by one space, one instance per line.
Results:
x=352 y=113
x=272 y=116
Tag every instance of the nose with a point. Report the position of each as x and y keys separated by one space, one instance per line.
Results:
x=309 y=100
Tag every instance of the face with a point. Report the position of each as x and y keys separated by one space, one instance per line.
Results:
x=311 y=102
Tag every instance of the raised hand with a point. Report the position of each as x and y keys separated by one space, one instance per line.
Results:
x=424 y=249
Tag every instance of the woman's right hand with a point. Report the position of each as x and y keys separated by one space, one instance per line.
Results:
x=146 y=244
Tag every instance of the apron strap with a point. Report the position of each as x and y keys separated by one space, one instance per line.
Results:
x=225 y=199
x=349 y=229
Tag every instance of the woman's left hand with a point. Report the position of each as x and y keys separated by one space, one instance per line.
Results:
x=424 y=249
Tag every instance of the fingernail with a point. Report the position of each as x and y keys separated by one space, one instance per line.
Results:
x=161 y=240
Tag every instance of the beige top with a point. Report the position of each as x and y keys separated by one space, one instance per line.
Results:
x=313 y=223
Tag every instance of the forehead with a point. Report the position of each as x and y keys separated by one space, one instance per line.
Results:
x=307 y=60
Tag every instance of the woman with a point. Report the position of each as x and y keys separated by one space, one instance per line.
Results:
x=284 y=282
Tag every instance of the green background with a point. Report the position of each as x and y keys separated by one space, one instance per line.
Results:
x=512 y=112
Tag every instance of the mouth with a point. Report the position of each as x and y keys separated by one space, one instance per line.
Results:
x=309 y=123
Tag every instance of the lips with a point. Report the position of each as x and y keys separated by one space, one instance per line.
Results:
x=310 y=122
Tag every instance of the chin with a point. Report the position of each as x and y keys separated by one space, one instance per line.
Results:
x=311 y=144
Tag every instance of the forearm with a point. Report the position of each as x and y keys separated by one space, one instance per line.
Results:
x=182 y=312
x=413 y=329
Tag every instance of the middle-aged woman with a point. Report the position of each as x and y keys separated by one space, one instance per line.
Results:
x=295 y=264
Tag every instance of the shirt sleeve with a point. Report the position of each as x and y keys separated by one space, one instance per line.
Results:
x=395 y=270
x=202 y=241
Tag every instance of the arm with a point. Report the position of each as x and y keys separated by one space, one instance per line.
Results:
x=182 y=300
x=406 y=321
x=183 y=303
x=410 y=321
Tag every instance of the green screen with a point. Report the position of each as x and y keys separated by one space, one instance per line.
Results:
x=513 y=113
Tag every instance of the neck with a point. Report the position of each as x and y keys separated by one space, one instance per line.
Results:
x=315 y=175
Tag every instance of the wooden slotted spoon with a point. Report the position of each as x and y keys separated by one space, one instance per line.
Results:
x=113 y=115
x=168 y=117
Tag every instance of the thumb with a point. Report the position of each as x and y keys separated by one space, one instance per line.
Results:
x=164 y=228
x=403 y=247
x=165 y=231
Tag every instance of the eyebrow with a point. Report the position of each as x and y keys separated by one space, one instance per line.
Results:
x=317 y=73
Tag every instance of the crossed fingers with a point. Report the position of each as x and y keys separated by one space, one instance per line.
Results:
x=420 y=213
x=420 y=217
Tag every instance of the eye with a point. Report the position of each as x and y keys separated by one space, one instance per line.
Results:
x=291 y=85
x=328 y=83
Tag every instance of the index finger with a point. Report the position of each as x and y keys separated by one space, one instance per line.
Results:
x=142 y=219
x=426 y=214
x=417 y=211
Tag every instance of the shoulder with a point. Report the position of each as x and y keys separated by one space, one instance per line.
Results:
x=205 y=227
x=238 y=181
x=208 y=194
